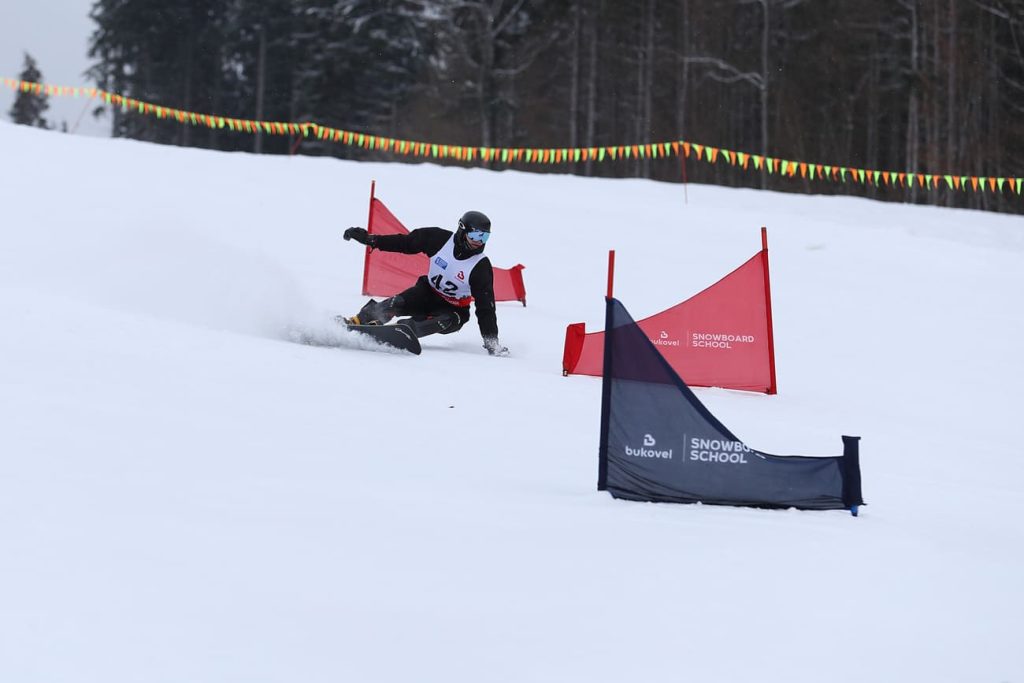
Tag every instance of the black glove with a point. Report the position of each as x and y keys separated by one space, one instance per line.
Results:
x=358 y=234
x=494 y=347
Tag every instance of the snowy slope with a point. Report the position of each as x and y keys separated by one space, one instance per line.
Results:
x=188 y=493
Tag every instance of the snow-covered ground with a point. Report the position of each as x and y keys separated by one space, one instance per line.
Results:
x=188 y=494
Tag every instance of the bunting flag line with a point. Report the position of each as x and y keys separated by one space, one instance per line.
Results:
x=510 y=155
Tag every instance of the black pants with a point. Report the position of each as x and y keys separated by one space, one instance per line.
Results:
x=429 y=313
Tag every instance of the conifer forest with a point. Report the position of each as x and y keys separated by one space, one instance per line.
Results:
x=922 y=86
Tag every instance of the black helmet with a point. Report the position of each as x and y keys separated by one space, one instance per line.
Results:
x=474 y=220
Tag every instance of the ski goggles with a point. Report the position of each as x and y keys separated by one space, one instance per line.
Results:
x=477 y=235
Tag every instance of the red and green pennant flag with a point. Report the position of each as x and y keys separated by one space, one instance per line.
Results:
x=653 y=150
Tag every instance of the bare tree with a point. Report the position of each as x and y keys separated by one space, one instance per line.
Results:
x=497 y=42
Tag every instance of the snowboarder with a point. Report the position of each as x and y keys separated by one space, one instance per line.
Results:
x=439 y=301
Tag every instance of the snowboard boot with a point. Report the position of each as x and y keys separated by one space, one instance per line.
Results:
x=376 y=312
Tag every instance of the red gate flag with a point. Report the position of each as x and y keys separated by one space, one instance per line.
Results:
x=721 y=337
x=387 y=273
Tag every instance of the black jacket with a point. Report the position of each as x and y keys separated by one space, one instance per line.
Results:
x=481 y=279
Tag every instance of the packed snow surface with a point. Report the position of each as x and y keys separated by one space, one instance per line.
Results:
x=204 y=479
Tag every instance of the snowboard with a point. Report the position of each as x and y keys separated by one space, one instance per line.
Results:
x=397 y=336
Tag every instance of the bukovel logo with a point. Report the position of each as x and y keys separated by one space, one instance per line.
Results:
x=646 y=452
x=664 y=339
x=441 y=262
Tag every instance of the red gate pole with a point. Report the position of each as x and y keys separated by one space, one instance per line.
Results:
x=369 y=229
x=772 y=389
x=611 y=271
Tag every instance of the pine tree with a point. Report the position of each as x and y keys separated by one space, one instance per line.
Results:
x=359 y=61
x=167 y=52
x=28 y=107
x=909 y=85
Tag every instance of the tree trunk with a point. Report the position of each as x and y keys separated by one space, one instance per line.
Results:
x=952 y=150
x=765 y=35
x=261 y=84
x=185 y=138
x=574 y=76
x=993 y=149
x=593 y=24
x=682 y=66
x=485 y=82
x=647 y=93
x=873 y=115
x=913 y=103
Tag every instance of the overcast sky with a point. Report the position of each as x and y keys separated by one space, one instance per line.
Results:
x=56 y=33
